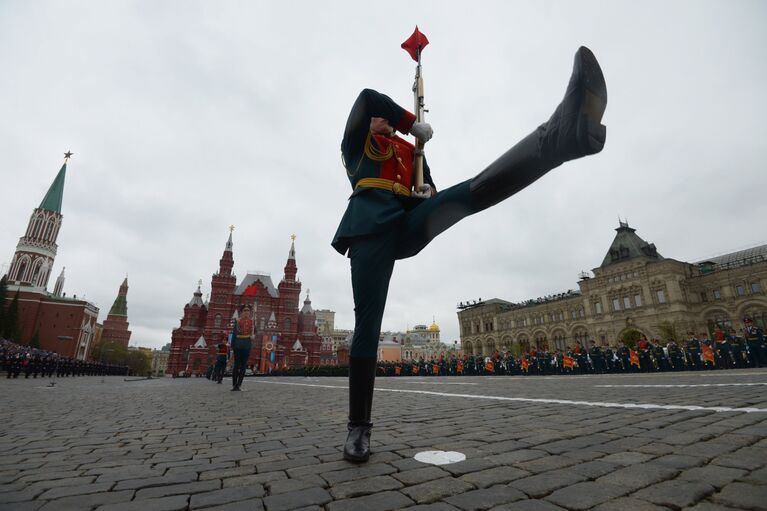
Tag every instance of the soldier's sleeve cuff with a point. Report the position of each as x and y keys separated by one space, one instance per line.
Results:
x=404 y=124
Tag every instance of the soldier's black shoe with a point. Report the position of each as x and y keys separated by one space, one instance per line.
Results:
x=357 y=446
x=235 y=388
x=574 y=130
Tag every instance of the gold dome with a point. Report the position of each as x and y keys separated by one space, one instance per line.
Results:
x=434 y=327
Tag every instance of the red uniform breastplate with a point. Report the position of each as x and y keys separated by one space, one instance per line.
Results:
x=398 y=168
x=244 y=328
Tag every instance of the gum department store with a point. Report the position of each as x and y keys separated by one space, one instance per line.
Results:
x=635 y=289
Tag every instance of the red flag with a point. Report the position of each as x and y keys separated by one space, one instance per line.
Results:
x=415 y=44
x=489 y=366
x=708 y=354
x=634 y=358
x=568 y=362
x=525 y=364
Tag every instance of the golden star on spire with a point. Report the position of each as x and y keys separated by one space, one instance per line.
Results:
x=231 y=228
x=293 y=237
x=68 y=155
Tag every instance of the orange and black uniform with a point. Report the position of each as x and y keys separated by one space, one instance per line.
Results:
x=241 y=345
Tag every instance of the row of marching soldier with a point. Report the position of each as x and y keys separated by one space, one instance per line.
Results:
x=698 y=352
x=17 y=359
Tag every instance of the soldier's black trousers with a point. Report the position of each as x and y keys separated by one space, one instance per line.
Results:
x=241 y=354
x=373 y=256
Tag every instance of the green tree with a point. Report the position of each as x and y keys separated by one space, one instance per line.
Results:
x=138 y=362
x=3 y=294
x=630 y=338
x=109 y=353
x=11 y=326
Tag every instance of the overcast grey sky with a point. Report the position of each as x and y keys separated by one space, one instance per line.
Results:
x=186 y=117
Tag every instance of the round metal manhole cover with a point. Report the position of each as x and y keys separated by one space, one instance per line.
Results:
x=440 y=457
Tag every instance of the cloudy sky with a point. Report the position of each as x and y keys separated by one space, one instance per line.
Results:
x=186 y=117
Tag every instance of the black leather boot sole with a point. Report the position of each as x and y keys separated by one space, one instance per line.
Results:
x=574 y=130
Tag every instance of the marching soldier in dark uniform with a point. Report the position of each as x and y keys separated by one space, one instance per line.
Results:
x=660 y=357
x=387 y=220
x=645 y=361
x=738 y=348
x=609 y=355
x=597 y=358
x=675 y=356
x=222 y=357
x=241 y=342
x=625 y=357
x=693 y=352
x=754 y=340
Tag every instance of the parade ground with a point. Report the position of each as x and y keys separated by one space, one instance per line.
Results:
x=693 y=440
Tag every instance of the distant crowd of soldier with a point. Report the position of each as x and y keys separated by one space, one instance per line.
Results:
x=16 y=359
x=723 y=351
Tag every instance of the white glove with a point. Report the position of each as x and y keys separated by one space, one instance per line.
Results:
x=422 y=131
x=423 y=192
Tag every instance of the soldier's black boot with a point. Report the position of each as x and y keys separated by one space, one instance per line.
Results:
x=361 y=382
x=573 y=131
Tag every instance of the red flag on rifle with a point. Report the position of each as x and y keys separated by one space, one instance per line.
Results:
x=415 y=44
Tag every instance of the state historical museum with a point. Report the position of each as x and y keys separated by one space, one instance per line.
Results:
x=284 y=336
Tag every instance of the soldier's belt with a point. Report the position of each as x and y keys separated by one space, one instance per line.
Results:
x=384 y=184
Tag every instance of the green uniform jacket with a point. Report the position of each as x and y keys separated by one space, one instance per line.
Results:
x=371 y=210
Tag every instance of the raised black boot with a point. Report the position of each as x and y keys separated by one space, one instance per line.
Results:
x=361 y=381
x=573 y=131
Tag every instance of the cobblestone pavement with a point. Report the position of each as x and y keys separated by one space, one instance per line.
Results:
x=617 y=442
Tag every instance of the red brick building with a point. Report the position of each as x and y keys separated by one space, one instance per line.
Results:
x=115 y=327
x=285 y=336
x=63 y=324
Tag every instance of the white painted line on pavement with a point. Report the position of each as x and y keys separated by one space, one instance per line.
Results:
x=641 y=406
x=686 y=385
x=438 y=383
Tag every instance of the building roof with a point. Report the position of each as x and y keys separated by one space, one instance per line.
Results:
x=120 y=306
x=307 y=308
x=739 y=258
x=53 y=199
x=196 y=298
x=252 y=278
x=628 y=245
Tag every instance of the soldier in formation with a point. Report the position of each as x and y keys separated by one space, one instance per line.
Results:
x=698 y=352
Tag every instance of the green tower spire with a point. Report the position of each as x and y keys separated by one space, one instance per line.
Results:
x=52 y=200
x=120 y=307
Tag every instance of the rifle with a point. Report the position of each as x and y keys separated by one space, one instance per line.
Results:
x=414 y=45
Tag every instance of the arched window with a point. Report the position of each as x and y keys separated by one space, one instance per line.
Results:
x=22 y=269
x=288 y=324
x=217 y=321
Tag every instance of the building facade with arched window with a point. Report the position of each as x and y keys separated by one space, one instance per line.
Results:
x=635 y=289
x=284 y=335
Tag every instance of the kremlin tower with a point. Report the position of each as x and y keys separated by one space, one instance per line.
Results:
x=64 y=325
x=116 y=325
